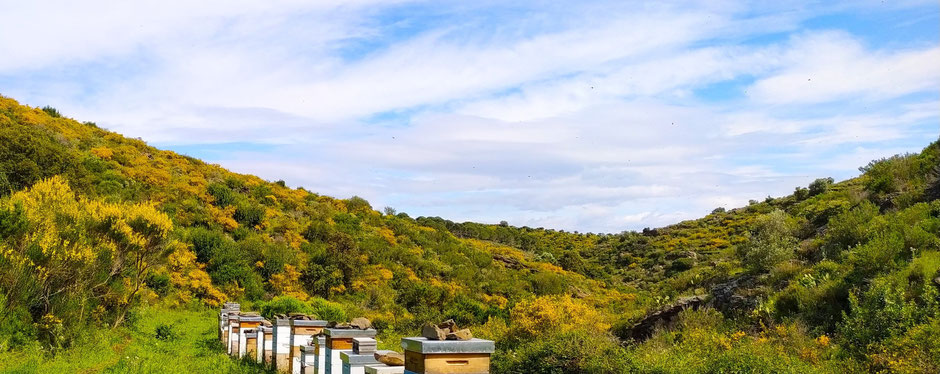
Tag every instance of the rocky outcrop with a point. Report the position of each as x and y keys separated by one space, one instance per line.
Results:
x=643 y=329
x=733 y=297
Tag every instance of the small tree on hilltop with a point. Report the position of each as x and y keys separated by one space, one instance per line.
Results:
x=820 y=185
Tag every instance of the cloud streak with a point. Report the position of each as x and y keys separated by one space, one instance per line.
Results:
x=591 y=117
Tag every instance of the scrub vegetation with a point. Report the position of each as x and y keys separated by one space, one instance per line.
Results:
x=114 y=256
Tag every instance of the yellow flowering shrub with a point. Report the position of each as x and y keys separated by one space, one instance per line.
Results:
x=76 y=254
x=556 y=313
x=103 y=152
x=288 y=283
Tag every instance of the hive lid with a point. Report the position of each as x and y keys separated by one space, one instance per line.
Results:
x=308 y=322
x=356 y=359
x=424 y=345
x=251 y=318
x=349 y=333
x=308 y=348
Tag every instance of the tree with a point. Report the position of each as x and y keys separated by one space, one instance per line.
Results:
x=771 y=242
x=800 y=193
x=820 y=185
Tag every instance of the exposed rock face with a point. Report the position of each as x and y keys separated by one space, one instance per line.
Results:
x=510 y=262
x=732 y=297
x=643 y=329
x=360 y=323
x=390 y=358
x=446 y=330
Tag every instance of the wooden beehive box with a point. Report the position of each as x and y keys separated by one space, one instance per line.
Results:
x=423 y=356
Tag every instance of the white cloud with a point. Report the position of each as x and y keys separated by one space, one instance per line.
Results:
x=576 y=116
x=832 y=66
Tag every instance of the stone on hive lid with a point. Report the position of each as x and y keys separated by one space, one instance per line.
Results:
x=360 y=323
x=431 y=331
x=390 y=358
x=339 y=325
x=446 y=330
x=464 y=334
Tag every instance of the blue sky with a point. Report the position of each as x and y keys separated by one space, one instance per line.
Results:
x=590 y=116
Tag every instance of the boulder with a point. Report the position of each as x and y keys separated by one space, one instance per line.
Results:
x=390 y=358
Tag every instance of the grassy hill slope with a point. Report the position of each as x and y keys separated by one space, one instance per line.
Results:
x=97 y=229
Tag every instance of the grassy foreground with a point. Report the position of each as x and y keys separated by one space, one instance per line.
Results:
x=146 y=345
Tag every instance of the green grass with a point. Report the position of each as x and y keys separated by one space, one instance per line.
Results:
x=193 y=347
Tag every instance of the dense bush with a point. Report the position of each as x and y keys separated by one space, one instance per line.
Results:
x=64 y=257
x=771 y=242
x=820 y=185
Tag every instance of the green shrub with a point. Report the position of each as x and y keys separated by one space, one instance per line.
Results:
x=159 y=283
x=283 y=305
x=206 y=242
x=165 y=332
x=52 y=112
x=250 y=215
x=223 y=195
x=848 y=229
x=800 y=193
x=820 y=185
x=577 y=351
x=771 y=242
x=328 y=310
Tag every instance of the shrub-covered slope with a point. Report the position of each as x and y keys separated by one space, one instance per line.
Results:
x=835 y=277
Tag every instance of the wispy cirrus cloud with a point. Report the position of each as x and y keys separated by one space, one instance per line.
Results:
x=587 y=116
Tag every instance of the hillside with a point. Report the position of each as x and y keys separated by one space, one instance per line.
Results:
x=96 y=227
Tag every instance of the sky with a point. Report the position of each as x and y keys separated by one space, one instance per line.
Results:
x=588 y=116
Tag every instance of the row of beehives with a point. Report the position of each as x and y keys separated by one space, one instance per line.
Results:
x=299 y=345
